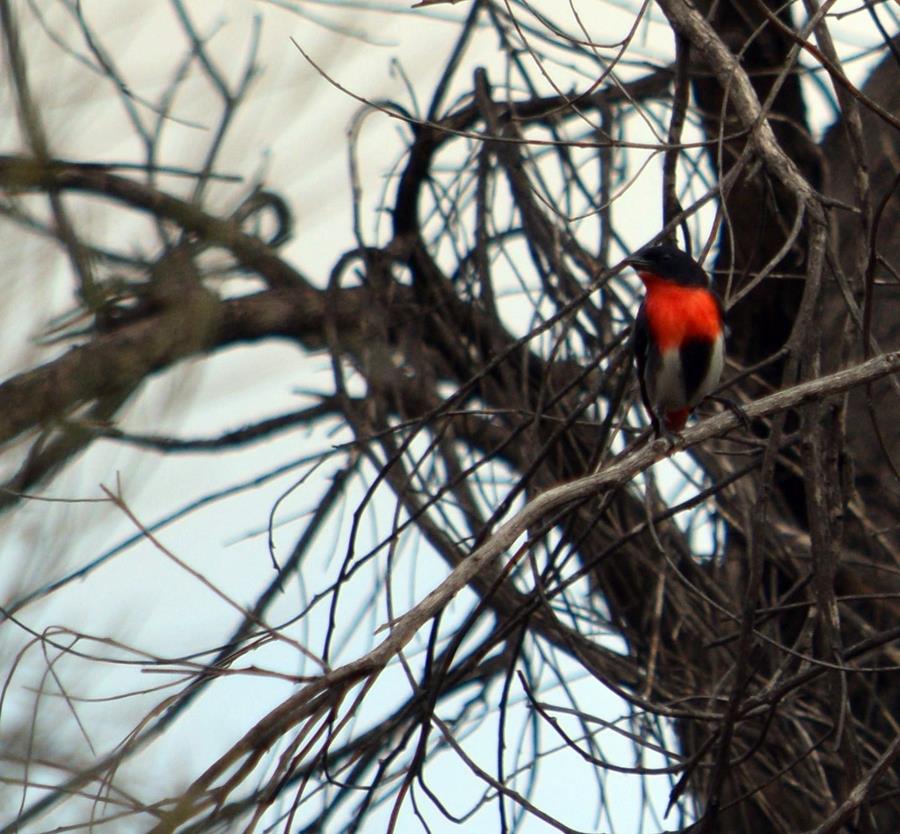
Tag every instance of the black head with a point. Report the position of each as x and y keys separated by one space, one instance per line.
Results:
x=669 y=263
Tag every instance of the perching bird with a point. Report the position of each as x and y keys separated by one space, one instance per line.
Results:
x=679 y=335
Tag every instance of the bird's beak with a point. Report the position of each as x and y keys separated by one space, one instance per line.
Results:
x=640 y=264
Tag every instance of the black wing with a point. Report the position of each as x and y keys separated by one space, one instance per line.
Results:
x=640 y=347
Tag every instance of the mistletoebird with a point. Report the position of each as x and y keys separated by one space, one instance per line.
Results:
x=679 y=335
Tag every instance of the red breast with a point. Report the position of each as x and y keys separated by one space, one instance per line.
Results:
x=676 y=314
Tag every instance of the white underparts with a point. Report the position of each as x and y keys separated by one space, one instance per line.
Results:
x=666 y=388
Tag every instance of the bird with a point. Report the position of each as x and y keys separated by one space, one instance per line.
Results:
x=679 y=335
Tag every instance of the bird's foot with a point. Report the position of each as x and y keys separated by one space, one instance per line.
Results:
x=668 y=442
x=735 y=409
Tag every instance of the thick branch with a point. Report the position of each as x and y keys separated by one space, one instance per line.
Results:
x=689 y=23
x=127 y=355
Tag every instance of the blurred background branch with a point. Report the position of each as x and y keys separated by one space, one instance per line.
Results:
x=259 y=409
